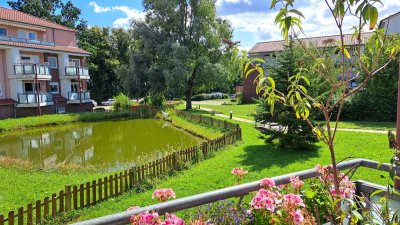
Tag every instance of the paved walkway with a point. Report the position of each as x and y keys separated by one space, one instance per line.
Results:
x=253 y=122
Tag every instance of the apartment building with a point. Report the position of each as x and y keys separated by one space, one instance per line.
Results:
x=270 y=49
x=42 y=71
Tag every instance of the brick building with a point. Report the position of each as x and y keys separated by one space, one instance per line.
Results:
x=41 y=67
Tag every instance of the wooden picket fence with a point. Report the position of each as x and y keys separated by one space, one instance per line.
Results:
x=90 y=193
x=198 y=118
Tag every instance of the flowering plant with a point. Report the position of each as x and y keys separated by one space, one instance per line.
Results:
x=240 y=174
x=278 y=205
x=163 y=195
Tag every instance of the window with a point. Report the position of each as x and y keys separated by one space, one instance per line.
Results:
x=3 y=32
x=32 y=36
x=74 y=87
x=28 y=87
x=1 y=90
x=52 y=62
x=77 y=62
x=27 y=34
x=54 y=88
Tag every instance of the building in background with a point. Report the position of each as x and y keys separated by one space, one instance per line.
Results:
x=270 y=49
x=41 y=68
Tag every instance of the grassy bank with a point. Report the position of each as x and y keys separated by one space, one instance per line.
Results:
x=260 y=159
x=57 y=119
x=23 y=183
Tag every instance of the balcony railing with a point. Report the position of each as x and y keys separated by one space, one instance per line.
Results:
x=240 y=191
x=25 y=40
x=33 y=98
x=74 y=71
x=29 y=69
x=74 y=96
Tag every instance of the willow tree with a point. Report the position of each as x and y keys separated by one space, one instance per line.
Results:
x=183 y=44
x=365 y=57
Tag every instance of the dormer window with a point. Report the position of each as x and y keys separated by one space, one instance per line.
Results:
x=3 y=32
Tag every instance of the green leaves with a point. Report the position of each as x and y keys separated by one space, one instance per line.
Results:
x=287 y=18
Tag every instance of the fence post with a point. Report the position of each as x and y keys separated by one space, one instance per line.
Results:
x=68 y=198
x=1 y=220
x=225 y=124
x=224 y=139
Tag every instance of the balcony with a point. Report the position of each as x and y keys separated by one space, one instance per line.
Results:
x=76 y=97
x=75 y=72
x=27 y=71
x=32 y=99
x=25 y=40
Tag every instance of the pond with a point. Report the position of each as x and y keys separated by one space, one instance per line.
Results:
x=109 y=145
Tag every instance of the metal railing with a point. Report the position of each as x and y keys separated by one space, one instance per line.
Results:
x=230 y=192
x=26 y=40
x=33 y=98
x=73 y=96
x=29 y=69
x=74 y=71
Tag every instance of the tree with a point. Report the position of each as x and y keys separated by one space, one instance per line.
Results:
x=56 y=11
x=108 y=48
x=283 y=125
x=381 y=48
x=182 y=44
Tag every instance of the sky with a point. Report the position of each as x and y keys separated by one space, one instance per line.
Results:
x=252 y=20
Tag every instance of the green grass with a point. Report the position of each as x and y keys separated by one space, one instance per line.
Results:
x=56 y=119
x=22 y=184
x=367 y=125
x=262 y=160
x=205 y=131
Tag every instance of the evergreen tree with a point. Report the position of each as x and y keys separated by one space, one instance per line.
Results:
x=282 y=124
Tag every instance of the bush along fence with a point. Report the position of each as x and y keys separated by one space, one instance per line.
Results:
x=88 y=194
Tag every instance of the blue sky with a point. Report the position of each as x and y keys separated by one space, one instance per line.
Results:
x=252 y=20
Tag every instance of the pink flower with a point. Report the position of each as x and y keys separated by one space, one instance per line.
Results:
x=171 y=219
x=267 y=183
x=239 y=171
x=296 y=182
x=146 y=218
x=264 y=199
x=297 y=217
x=163 y=195
x=291 y=200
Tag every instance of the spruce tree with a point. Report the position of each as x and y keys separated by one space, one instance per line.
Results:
x=282 y=124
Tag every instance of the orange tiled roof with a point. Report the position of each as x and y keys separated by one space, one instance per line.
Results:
x=324 y=41
x=45 y=47
x=17 y=16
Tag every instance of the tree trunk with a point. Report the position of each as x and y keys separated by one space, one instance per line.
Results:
x=189 y=97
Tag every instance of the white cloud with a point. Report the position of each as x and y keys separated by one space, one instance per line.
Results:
x=130 y=13
x=220 y=2
x=99 y=9
x=318 y=20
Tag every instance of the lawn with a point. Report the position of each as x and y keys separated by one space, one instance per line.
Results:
x=260 y=159
x=244 y=111
x=22 y=184
x=57 y=119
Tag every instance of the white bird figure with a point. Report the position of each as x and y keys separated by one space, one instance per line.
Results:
x=165 y=114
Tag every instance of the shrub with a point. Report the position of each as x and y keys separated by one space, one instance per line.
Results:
x=122 y=103
x=239 y=98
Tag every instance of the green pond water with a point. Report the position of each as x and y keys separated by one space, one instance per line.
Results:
x=109 y=145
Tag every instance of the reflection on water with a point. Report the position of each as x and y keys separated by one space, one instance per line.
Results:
x=111 y=145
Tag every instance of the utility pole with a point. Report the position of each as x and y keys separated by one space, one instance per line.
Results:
x=37 y=89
